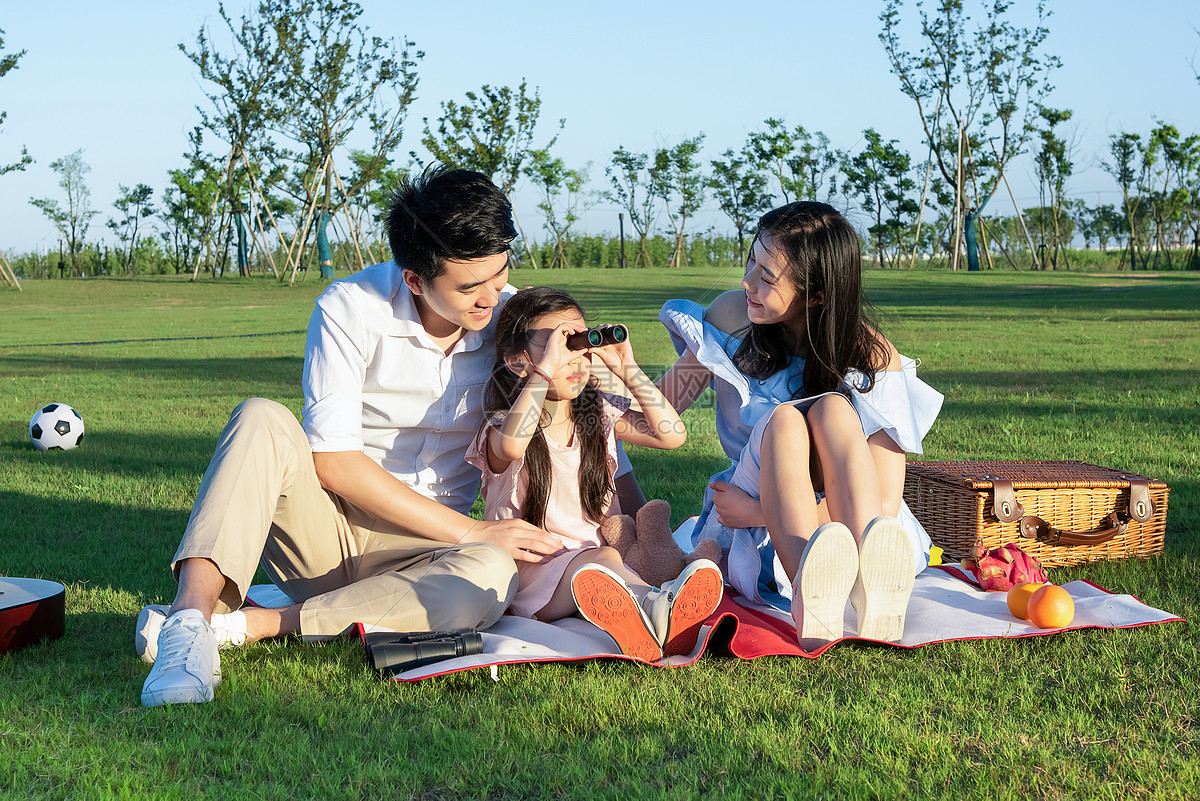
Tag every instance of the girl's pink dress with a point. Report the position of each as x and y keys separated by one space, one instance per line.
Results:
x=504 y=497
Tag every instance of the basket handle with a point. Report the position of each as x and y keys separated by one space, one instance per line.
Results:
x=1035 y=528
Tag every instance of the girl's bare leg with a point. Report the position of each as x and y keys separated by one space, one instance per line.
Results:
x=562 y=602
x=785 y=485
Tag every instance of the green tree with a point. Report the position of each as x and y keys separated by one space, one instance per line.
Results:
x=680 y=187
x=881 y=175
x=346 y=77
x=492 y=133
x=799 y=161
x=72 y=221
x=370 y=202
x=635 y=182
x=561 y=189
x=8 y=62
x=134 y=205
x=186 y=204
x=1125 y=151
x=976 y=89
x=1053 y=166
x=740 y=189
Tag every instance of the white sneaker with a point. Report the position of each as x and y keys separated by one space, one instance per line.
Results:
x=680 y=607
x=188 y=666
x=605 y=600
x=229 y=629
x=886 y=572
x=828 y=568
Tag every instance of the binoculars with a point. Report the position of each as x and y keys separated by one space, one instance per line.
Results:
x=393 y=653
x=598 y=337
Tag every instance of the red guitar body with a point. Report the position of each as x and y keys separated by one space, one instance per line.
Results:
x=31 y=610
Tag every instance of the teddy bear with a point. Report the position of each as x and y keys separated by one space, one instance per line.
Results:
x=648 y=548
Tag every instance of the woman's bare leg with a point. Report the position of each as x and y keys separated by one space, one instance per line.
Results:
x=785 y=485
x=848 y=470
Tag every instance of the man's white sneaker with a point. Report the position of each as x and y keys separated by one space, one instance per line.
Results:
x=604 y=599
x=188 y=666
x=229 y=629
x=886 y=572
x=680 y=607
x=828 y=568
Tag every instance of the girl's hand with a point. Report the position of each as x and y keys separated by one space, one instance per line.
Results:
x=617 y=357
x=555 y=355
x=736 y=508
x=549 y=356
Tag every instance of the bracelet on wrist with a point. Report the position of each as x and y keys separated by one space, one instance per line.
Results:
x=534 y=371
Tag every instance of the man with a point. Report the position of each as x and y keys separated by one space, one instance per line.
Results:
x=360 y=516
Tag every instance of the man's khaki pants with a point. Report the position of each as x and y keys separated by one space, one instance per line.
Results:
x=260 y=500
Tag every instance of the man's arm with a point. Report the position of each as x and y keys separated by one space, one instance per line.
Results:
x=363 y=482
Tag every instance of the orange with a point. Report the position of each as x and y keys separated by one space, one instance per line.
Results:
x=1051 y=607
x=1018 y=598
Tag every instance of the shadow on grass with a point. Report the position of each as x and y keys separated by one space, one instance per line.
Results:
x=1131 y=381
x=129 y=456
x=276 y=375
x=90 y=543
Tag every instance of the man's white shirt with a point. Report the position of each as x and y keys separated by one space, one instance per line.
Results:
x=374 y=381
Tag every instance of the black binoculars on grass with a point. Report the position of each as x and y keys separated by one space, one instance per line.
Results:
x=393 y=652
x=598 y=337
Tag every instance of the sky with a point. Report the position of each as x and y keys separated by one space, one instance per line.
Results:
x=109 y=78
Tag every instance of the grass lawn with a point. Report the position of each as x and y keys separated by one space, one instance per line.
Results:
x=1102 y=368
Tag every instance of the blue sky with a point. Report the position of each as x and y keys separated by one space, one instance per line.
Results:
x=109 y=78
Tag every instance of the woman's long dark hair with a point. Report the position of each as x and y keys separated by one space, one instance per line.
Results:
x=512 y=337
x=822 y=250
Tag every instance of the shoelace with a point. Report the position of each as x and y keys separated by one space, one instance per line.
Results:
x=180 y=650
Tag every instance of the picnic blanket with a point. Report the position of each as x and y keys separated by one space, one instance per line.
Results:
x=946 y=605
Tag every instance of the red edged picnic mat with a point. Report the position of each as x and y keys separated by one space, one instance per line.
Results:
x=944 y=606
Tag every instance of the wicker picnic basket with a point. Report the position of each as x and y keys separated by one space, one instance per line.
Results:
x=1061 y=512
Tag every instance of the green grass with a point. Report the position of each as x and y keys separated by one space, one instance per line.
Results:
x=1095 y=367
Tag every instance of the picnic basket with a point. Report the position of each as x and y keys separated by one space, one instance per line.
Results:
x=1063 y=512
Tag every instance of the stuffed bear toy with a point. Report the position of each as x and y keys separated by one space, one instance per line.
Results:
x=648 y=548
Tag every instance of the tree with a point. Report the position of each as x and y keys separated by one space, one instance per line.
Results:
x=377 y=183
x=72 y=222
x=881 y=175
x=561 y=190
x=799 y=161
x=681 y=187
x=346 y=78
x=134 y=205
x=491 y=133
x=635 y=185
x=1052 y=165
x=1125 y=150
x=9 y=62
x=976 y=91
x=740 y=189
x=243 y=103
x=1167 y=160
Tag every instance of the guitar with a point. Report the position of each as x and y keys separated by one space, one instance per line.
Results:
x=31 y=610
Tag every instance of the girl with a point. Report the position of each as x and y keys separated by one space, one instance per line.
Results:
x=548 y=454
x=815 y=409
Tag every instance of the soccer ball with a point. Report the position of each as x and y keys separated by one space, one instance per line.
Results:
x=56 y=427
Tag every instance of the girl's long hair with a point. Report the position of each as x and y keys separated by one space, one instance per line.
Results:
x=512 y=337
x=822 y=250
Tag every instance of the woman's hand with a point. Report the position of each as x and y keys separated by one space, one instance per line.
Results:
x=735 y=507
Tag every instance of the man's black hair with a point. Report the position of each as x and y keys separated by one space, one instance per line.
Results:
x=441 y=214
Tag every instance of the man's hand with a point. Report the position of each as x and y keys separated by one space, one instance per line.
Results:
x=736 y=508
x=523 y=541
